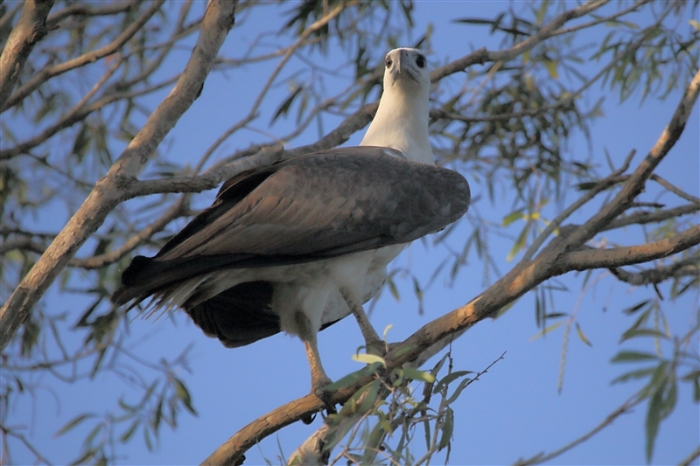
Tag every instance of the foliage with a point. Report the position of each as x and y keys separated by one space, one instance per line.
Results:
x=90 y=86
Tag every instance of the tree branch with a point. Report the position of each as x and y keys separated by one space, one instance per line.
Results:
x=602 y=185
x=80 y=9
x=77 y=114
x=636 y=182
x=616 y=257
x=90 y=57
x=109 y=191
x=482 y=55
x=690 y=266
x=692 y=457
x=30 y=29
x=102 y=260
x=641 y=218
x=604 y=19
x=675 y=190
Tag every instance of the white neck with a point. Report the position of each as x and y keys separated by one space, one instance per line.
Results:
x=401 y=123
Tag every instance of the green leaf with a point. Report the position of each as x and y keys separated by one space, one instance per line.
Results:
x=184 y=395
x=130 y=431
x=370 y=396
x=93 y=433
x=671 y=398
x=552 y=68
x=353 y=377
x=350 y=407
x=448 y=379
x=287 y=103
x=392 y=288
x=447 y=429
x=415 y=374
x=386 y=331
x=72 y=423
x=633 y=356
x=89 y=453
x=658 y=379
x=512 y=217
x=81 y=143
x=694 y=378
x=462 y=385
x=368 y=358
x=638 y=374
x=519 y=243
x=652 y=423
x=581 y=335
x=642 y=332
x=546 y=330
x=644 y=316
x=147 y=439
x=635 y=308
x=158 y=416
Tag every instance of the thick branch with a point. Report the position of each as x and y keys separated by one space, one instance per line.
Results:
x=109 y=191
x=616 y=257
x=210 y=179
x=30 y=29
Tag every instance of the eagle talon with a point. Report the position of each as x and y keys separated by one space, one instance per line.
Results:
x=378 y=348
x=324 y=395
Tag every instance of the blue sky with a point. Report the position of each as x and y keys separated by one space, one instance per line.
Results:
x=514 y=411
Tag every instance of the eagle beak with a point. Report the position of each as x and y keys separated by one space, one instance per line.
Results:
x=404 y=66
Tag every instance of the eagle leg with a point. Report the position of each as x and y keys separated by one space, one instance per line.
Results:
x=319 y=379
x=373 y=343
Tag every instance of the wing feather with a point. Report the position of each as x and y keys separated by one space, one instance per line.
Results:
x=309 y=208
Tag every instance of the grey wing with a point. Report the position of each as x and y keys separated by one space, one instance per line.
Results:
x=309 y=208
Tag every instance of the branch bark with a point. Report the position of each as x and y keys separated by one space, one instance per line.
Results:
x=30 y=29
x=690 y=266
x=109 y=191
x=615 y=257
